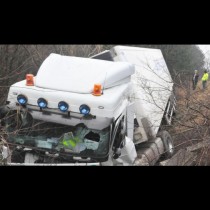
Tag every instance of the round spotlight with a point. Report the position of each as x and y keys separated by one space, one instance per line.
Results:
x=42 y=103
x=22 y=99
x=63 y=106
x=84 y=109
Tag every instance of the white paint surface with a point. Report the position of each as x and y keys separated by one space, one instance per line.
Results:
x=78 y=75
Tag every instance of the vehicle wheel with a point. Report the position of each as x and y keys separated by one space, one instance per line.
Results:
x=167 y=143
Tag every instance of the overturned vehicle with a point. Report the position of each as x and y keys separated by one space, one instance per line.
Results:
x=104 y=110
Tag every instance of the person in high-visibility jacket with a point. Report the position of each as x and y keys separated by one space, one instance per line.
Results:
x=205 y=78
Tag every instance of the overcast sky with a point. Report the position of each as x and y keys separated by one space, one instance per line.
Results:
x=205 y=48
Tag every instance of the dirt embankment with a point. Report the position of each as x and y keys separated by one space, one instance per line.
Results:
x=191 y=125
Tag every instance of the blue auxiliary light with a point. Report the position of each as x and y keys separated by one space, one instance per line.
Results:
x=84 y=109
x=42 y=103
x=22 y=100
x=63 y=106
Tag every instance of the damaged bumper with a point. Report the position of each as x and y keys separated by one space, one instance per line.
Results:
x=6 y=159
x=60 y=164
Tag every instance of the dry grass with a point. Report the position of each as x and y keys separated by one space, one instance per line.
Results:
x=192 y=122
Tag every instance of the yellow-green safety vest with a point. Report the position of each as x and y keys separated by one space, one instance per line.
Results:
x=205 y=77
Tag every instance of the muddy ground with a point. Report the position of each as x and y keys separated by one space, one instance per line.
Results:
x=191 y=124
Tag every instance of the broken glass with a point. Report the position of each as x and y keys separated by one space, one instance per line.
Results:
x=81 y=141
x=85 y=141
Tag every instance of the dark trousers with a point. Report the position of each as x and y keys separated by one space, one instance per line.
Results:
x=204 y=84
x=194 y=84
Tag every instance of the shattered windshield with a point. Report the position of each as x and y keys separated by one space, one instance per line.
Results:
x=56 y=138
x=79 y=141
x=85 y=142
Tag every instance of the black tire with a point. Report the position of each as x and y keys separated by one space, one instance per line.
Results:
x=167 y=143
